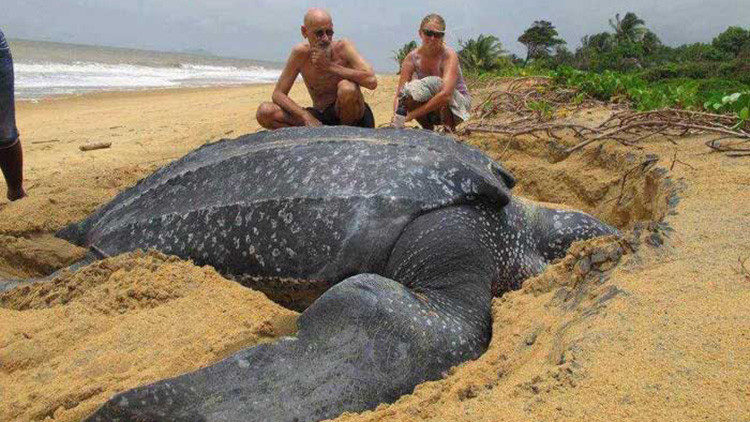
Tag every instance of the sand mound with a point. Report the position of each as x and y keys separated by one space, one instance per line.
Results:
x=38 y=255
x=69 y=345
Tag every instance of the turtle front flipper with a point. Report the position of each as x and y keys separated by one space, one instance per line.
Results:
x=555 y=229
x=367 y=340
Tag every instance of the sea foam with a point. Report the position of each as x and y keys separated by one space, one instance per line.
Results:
x=35 y=80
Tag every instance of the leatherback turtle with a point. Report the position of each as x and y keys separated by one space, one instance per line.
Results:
x=397 y=240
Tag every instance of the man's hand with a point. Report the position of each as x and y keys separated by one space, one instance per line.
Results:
x=320 y=59
x=310 y=120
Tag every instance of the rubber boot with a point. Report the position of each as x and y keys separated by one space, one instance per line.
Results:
x=11 y=162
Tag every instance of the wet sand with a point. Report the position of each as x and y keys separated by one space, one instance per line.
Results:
x=659 y=330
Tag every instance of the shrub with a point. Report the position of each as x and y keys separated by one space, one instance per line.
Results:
x=732 y=40
x=674 y=92
x=400 y=54
x=695 y=70
x=485 y=53
x=737 y=70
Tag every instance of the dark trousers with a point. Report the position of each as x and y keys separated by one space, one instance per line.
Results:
x=8 y=130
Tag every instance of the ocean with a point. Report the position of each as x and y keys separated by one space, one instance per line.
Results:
x=44 y=69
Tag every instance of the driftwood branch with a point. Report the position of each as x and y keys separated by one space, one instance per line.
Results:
x=95 y=145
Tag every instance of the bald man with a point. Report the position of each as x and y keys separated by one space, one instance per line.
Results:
x=333 y=72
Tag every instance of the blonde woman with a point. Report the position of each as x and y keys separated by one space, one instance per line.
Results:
x=431 y=89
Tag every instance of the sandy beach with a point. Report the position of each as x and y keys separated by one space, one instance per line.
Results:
x=654 y=326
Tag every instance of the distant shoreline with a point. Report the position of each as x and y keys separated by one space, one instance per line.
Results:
x=137 y=92
x=49 y=69
x=19 y=42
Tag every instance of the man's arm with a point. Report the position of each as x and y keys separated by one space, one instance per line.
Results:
x=280 y=94
x=360 y=72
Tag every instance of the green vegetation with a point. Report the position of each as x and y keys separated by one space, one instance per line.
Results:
x=630 y=29
x=483 y=54
x=400 y=54
x=628 y=64
x=733 y=40
x=715 y=95
x=539 y=39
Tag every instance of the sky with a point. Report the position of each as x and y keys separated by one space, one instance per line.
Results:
x=267 y=29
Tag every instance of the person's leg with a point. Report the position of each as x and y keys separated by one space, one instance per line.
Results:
x=11 y=163
x=419 y=92
x=11 y=155
x=350 y=103
x=411 y=104
x=368 y=119
x=447 y=118
x=271 y=116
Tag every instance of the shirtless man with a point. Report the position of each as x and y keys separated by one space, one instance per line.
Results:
x=333 y=72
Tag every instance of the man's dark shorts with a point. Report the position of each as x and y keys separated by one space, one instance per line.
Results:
x=329 y=118
x=8 y=131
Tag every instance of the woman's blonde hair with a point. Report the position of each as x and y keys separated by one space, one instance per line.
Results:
x=433 y=17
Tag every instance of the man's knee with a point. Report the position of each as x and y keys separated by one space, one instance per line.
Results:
x=265 y=113
x=348 y=91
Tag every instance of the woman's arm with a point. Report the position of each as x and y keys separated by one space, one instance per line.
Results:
x=407 y=70
x=450 y=78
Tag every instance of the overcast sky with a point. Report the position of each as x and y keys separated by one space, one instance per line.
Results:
x=266 y=29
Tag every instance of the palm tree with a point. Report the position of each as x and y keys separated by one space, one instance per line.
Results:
x=400 y=54
x=630 y=28
x=651 y=42
x=484 y=53
x=539 y=39
x=603 y=41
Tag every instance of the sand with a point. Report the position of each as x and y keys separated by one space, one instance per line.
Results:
x=654 y=326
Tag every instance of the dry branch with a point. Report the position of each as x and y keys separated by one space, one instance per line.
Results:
x=523 y=100
x=715 y=145
x=742 y=270
x=643 y=166
x=95 y=145
x=676 y=161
